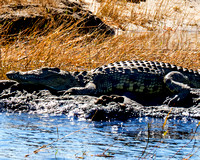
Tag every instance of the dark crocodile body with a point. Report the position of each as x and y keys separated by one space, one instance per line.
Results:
x=144 y=77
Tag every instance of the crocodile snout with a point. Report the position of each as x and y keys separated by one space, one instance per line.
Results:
x=12 y=74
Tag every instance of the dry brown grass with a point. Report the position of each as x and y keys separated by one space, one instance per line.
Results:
x=153 y=14
x=69 y=50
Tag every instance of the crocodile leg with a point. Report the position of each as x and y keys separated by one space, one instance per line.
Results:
x=195 y=92
x=177 y=83
x=89 y=89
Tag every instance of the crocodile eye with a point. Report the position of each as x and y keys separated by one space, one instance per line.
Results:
x=51 y=69
x=45 y=69
x=55 y=69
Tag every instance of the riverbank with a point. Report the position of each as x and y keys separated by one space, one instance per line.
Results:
x=16 y=98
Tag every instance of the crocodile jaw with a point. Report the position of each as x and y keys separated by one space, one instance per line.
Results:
x=49 y=77
x=23 y=78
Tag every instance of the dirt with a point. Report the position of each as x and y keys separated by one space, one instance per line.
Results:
x=24 y=19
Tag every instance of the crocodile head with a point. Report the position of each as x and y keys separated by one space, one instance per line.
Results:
x=50 y=77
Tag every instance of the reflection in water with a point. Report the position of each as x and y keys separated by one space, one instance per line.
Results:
x=23 y=134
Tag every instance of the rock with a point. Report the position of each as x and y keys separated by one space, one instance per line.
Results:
x=107 y=99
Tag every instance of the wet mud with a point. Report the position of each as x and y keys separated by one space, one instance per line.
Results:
x=15 y=98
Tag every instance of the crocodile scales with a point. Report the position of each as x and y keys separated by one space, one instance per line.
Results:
x=146 y=77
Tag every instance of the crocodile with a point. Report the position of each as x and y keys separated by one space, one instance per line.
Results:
x=135 y=77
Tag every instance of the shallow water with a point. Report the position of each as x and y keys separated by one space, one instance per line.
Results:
x=23 y=134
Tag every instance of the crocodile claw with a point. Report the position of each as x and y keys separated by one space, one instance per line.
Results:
x=171 y=101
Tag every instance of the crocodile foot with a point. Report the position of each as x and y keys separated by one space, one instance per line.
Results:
x=195 y=92
x=197 y=100
x=178 y=100
x=172 y=101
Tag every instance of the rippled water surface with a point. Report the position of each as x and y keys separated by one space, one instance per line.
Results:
x=23 y=134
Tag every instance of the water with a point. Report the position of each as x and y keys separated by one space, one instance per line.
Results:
x=23 y=134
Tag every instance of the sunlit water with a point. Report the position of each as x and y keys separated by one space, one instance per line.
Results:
x=23 y=134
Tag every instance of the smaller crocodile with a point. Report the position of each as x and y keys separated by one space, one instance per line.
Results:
x=136 y=77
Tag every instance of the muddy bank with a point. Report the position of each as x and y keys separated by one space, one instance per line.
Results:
x=25 y=19
x=15 y=98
